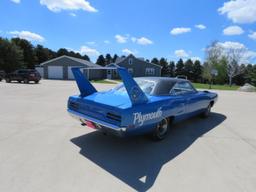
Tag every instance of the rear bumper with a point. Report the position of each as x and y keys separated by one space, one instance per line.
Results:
x=101 y=125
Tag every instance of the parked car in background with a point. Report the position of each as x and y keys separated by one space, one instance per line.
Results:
x=23 y=75
x=2 y=75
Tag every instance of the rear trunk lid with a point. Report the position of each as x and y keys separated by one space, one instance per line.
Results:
x=104 y=106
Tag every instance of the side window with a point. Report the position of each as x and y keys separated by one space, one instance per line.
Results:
x=182 y=88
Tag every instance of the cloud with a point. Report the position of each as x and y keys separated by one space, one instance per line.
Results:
x=239 y=11
x=247 y=56
x=181 y=53
x=142 y=41
x=107 y=42
x=121 y=39
x=92 y=43
x=128 y=51
x=233 y=30
x=196 y=58
x=59 y=5
x=180 y=30
x=15 y=1
x=200 y=26
x=27 y=35
x=89 y=51
x=72 y=14
x=252 y=35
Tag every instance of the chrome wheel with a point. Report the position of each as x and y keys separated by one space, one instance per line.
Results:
x=161 y=130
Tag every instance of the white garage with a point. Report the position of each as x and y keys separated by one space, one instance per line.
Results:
x=55 y=72
x=60 y=68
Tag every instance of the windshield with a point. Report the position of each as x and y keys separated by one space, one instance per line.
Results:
x=145 y=85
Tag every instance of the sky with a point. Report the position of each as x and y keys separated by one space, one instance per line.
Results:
x=171 y=29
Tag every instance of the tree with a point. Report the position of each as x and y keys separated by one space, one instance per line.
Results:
x=42 y=54
x=11 y=56
x=171 y=69
x=197 y=71
x=213 y=54
x=234 y=56
x=62 y=51
x=163 y=63
x=155 y=61
x=179 y=68
x=188 y=69
x=86 y=57
x=28 y=52
x=114 y=58
x=101 y=60
x=108 y=59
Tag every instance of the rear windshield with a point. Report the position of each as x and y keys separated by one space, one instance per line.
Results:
x=145 y=85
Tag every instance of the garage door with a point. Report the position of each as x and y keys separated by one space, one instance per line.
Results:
x=70 y=74
x=55 y=72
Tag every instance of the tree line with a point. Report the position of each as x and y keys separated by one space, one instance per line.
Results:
x=19 y=53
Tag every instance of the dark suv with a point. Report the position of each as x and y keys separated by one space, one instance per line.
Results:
x=2 y=75
x=24 y=75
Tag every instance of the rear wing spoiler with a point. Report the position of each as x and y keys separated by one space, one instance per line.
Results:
x=136 y=95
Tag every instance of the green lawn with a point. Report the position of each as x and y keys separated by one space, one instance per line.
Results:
x=219 y=87
x=102 y=81
x=197 y=85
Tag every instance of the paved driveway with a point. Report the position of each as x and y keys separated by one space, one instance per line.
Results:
x=43 y=149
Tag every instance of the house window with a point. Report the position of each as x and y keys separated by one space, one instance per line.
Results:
x=130 y=70
x=130 y=61
x=150 y=71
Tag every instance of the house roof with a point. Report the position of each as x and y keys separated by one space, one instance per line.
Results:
x=82 y=61
x=131 y=55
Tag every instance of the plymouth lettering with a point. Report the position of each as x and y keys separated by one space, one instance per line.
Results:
x=141 y=118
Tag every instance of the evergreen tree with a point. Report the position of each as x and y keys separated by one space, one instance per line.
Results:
x=108 y=59
x=163 y=63
x=29 y=57
x=11 y=56
x=101 y=60
x=171 y=69
x=155 y=61
x=114 y=58
x=179 y=68
x=197 y=71
x=188 y=69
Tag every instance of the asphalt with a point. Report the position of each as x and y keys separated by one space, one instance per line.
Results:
x=43 y=149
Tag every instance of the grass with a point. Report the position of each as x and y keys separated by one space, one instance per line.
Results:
x=196 y=85
x=218 y=87
x=102 y=81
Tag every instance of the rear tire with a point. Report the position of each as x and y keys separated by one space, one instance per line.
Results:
x=8 y=80
x=207 y=111
x=161 y=130
x=36 y=82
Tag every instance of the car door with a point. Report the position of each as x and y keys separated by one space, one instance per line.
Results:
x=189 y=94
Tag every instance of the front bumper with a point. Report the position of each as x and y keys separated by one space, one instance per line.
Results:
x=100 y=125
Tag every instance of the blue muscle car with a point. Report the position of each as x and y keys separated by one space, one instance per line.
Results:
x=138 y=106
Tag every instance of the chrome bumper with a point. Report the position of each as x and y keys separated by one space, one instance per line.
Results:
x=101 y=125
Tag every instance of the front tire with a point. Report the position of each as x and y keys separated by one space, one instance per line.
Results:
x=207 y=111
x=8 y=80
x=161 y=130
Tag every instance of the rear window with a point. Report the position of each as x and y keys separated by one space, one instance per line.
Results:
x=145 y=85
